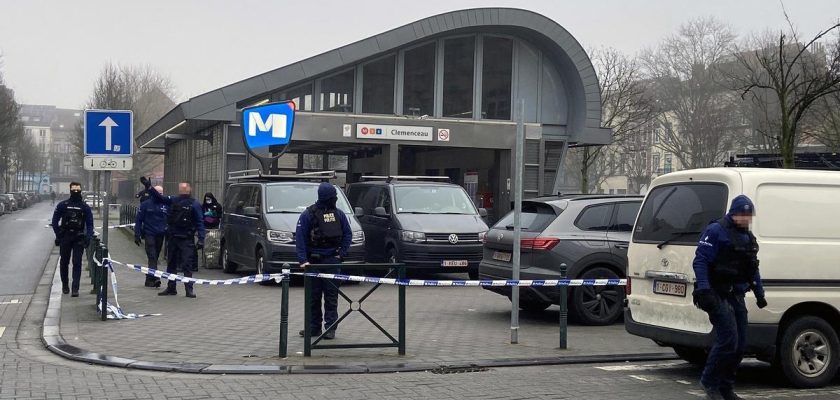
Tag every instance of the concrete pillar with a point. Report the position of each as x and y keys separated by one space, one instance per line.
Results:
x=391 y=159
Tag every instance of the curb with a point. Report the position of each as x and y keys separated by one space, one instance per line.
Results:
x=54 y=342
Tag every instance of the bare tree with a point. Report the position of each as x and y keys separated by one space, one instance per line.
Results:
x=787 y=77
x=826 y=121
x=698 y=115
x=626 y=105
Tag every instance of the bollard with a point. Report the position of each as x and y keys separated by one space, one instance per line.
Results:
x=103 y=281
x=401 y=310
x=307 y=315
x=564 y=310
x=284 y=313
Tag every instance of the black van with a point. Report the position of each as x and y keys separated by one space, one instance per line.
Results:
x=423 y=222
x=259 y=221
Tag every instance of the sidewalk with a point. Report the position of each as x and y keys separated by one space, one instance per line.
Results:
x=238 y=325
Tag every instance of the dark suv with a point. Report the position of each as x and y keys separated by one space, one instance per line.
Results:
x=420 y=221
x=259 y=222
x=589 y=233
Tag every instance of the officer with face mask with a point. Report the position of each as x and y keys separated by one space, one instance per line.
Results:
x=72 y=223
x=323 y=236
x=150 y=226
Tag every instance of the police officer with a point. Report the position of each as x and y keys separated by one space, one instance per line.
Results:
x=150 y=225
x=184 y=222
x=323 y=237
x=726 y=267
x=72 y=223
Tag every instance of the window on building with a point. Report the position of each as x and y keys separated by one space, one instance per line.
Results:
x=313 y=162
x=458 y=66
x=654 y=163
x=42 y=132
x=337 y=92
x=419 y=80
x=497 y=70
x=668 y=163
x=378 y=81
x=301 y=95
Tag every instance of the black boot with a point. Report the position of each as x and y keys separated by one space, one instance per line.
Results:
x=169 y=291
x=150 y=281
x=190 y=292
x=65 y=289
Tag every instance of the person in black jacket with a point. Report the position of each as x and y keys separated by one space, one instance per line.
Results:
x=72 y=223
x=212 y=211
x=150 y=225
x=185 y=222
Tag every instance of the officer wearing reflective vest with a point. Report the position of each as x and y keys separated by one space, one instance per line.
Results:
x=323 y=236
x=184 y=222
x=150 y=226
x=72 y=223
x=726 y=267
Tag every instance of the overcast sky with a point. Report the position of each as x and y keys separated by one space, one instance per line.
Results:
x=52 y=51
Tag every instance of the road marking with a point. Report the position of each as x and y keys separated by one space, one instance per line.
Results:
x=641 y=378
x=13 y=301
x=2 y=329
x=684 y=382
x=642 y=367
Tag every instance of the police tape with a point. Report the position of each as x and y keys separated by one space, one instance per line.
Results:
x=109 y=226
x=376 y=280
x=114 y=310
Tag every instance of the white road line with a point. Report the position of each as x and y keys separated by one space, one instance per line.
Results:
x=642 y=367
x=13 y=301
x=641 y=378
x=2 y=329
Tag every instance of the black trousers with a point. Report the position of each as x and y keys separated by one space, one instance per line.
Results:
x=181 y=254
x=329 y=290
x=71 y=245
x=154 y=244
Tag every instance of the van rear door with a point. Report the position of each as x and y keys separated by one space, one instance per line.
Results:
x=662 y=252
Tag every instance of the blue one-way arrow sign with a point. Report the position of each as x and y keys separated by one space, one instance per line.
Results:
x=109 y=132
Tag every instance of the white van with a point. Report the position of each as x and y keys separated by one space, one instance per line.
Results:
x=797 y=225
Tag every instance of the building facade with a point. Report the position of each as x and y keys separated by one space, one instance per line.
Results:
x=54 y=132
x=434 y=97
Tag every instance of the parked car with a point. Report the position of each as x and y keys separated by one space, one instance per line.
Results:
x=92 y=200
x=12 y=201
x=425 y=223
x=33 y=197
x=260 y=218
x=796 y=225
x=22 y=202
x=3 y=204
x=588 y=233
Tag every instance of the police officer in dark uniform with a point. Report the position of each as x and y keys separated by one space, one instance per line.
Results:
x=323 y=236
x=184 y=222
x=151 y=226
x=726 y=267
x=72 y=223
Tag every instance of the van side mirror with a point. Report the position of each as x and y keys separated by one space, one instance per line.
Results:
x=380 y=212
x=250 y=211
x=482 y=212
x=359 y=211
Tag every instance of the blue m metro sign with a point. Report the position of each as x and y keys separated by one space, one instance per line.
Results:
x=268 y=126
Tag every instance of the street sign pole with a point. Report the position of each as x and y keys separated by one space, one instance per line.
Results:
x=517 y=219
x=106 y=183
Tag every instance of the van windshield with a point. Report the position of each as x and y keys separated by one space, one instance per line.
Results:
x=677 y=214
x=294 y=198
x=432 y=199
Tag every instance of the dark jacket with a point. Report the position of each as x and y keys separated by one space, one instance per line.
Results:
x=212 y=212
x=60 y=211
x=327 y=197
x=713 y=239
x=151 y=218
x=196 y=208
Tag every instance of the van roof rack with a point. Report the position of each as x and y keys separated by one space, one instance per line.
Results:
x=256 y=174
x=393 y=178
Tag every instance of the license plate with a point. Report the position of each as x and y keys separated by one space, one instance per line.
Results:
x=455 y=263
x=669 y=288
x=501 y=256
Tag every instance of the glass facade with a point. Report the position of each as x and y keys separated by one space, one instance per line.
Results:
x=458 y=72
x=496 y=76
x=378 y=81
x=337 y=92
x=419 y=82
x=301 y=95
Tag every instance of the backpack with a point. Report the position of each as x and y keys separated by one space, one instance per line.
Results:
x=181 y=216
x=326 y=229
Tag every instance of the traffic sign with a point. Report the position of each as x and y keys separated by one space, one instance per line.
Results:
x=100 y=163
x=109 y=133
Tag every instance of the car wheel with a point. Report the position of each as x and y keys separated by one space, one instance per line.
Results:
x=227 y=265
x=260 y=260
x=809 y=352
x=533 y=305
x=598 y=305
x=692 y=355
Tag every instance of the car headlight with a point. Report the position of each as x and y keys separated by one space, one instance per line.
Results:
x=409 y=236
x=281 y=236
x=482 y=237
x=358 y=237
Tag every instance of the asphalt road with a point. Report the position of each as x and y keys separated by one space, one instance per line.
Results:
x=25 y=245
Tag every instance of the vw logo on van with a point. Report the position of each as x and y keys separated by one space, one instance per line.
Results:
x=665 y=262
x=501 y=236
x=453 y=238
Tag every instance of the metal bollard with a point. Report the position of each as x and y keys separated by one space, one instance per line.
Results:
x=307 y=315
x=564 y=309
x=401 y=309
x=103 y=281
x=284 y=313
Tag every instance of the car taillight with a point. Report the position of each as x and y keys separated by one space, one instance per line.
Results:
x=539 y=243
x=628 y=288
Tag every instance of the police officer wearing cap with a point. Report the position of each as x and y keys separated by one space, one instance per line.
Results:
x=150 y=226
x=323 y=236
x=726 y=267
x=72 y=223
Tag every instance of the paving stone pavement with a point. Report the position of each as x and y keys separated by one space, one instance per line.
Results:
x=239 y=324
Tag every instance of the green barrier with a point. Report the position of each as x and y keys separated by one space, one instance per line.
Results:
x=564 y=310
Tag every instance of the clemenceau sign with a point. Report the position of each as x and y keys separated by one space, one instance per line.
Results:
x=394 y=132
